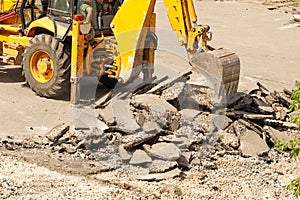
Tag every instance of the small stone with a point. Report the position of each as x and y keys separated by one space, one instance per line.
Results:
x=140 y=157
x=124 y=154
x=272 y=8
x=209 y=165
x=140 y=119
x=10 y=147
x=157 y=195
x=146 y=147
x=283 y=113
x=296 y=17
x=18 y=142
x=183 y=162
x=68 y=148
x=221 y=153
x=173 y=123
x=229 y=140
x=196 y=161
x=57 y=132
x=165 y=151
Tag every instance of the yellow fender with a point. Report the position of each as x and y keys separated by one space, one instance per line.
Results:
x=46 y=23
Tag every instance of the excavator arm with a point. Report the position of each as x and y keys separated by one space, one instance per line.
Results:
x=131 y=26
x=183 y=19
x=136 y=18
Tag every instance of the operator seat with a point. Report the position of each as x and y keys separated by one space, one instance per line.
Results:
x=105 y=17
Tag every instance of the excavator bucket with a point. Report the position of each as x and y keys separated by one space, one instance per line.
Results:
x=221 y=67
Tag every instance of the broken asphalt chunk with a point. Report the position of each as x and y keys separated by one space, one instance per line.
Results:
x=169 y=82
x=140 y=157
x=252 y=116
x=251 y=145
x=183 y=162
x=262 y=106
x=174 y=92
x=160 y=166
x=165 y=151
x=277 y=135
x=233 y=99
x=130 y=141
x=189 y=114
x=124 y=154
x=279 y=123
x=148 y=100
x=159 y=176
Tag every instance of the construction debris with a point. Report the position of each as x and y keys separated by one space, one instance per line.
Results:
x=159 y=176
x=140 y=157
x=165 y=151
x=57 y=132
x=252 y=145
x=170 y=135
x=167 y=138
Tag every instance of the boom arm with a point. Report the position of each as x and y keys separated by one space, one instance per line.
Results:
x=183 y=19
x=136 y=17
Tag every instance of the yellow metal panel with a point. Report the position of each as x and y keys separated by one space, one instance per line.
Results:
x=77 y=50
x=12 y=47
x=7 y=4
x=9 y=28
x=46 y=23
x=127 y=26
x=15 y=39
x=192 y=11
x=176 y=17
x=76 y=61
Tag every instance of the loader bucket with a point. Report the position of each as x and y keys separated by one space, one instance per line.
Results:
x=221 y=67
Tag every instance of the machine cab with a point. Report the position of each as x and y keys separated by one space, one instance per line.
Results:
x=99 y=13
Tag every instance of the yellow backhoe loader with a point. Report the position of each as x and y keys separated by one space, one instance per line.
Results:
x=59 y=41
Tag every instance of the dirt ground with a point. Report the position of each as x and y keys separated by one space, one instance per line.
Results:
x=268 y=46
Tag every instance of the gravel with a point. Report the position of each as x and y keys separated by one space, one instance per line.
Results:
x=231 y=177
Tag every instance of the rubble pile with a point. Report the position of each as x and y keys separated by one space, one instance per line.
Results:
x=170 y=127
x=286 y=5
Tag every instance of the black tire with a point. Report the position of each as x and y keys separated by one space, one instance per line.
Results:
x=59 y=83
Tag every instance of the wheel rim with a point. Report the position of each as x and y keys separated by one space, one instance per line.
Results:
x=41 y=66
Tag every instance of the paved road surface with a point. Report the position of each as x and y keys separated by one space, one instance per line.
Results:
x=267 y=44
x=268 y=49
